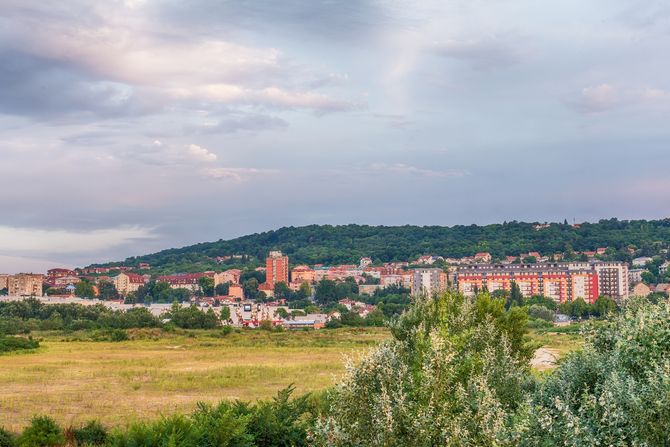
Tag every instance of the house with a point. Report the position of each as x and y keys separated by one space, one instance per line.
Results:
x=641 y=261
x=184 y=281
x=635 y=275
x=128 y=282
x=662 y=288
x=483 y=257
x=144 y=266
x=303 y=273
x=641 y=289
x=365 y=262
x=231 y=276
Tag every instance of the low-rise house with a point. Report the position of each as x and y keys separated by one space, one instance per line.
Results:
x=126 y=283
x=641 y=261
x=483 y=258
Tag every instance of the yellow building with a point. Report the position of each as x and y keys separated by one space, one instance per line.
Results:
x=128 y=282
x=25 y=284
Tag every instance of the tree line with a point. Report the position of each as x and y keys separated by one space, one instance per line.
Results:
x=329 y=244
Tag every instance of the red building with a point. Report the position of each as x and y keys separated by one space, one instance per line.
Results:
x=276 y=268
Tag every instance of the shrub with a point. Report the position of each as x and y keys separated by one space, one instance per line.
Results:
x=93 y=433
x=453 y=374
x=6 y=438
x=614 y=392
x=42 y=432
x=540 y=312
x=118 y=335
x=9 y=344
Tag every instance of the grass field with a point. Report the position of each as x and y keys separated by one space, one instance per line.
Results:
x=74 y=379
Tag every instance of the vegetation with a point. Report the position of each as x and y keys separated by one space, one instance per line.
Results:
x=9 y=344
x=348 y=243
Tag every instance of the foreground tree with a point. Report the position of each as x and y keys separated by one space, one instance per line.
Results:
x=453 y=374
x=616 y=392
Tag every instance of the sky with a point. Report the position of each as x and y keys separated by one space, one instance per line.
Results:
x=127 y=127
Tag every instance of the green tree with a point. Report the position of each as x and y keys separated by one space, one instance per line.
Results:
x=515 y=296
x=580 y=309
x=225 y=313
x=84 y=289
x=604 y=306
x=222 y=289
x=206 y=285
x=282 y=291
x=107 y=291
x=42 y=432
x=451 y=375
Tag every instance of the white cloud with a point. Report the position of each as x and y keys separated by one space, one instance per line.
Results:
x=200 y=153
x=28 y=240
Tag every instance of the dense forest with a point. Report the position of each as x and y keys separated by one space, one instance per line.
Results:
x=329 y=244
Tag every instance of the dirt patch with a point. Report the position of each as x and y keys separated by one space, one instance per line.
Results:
x=545 y=358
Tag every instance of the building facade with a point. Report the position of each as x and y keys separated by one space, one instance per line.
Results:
x=128 y=282
x=428 y=281
x=276 y=268
x=560 y=281
x=25 y=284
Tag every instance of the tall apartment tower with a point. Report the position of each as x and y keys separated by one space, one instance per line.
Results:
x=276 y=268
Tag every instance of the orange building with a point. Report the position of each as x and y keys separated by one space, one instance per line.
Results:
x=556 y=281
x=276 y=268
x=301 y=274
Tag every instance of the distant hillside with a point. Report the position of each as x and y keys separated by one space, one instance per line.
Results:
x=348 y=243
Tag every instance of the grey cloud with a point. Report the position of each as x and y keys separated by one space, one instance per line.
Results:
x=492 y=52
x=325 y=19
x=40 y=87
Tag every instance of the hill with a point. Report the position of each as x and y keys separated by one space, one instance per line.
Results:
x=329 y=244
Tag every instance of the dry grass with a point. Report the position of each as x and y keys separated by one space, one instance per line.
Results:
x=75 y=380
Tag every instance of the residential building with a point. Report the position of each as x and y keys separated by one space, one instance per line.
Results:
x=4 y=281
x=428 y=281
x=231 y=276
x=641 y=261
x=25 y=284
x=276 y=268
x=144 y=266
x=188 y=281
x=236 y=291
x=60 y=272
x=128 y=282
x=635 y=275
x=365 y=262
x=483 y=258
x=301 y=274
x=559 y=281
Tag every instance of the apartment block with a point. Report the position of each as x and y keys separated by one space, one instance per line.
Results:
x=276 y=268
x=560 y=281
x=25 y=284
x=428 y=281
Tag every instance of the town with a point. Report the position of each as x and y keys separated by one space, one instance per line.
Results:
x=298 y=297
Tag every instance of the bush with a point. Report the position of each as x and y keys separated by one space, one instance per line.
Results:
x=93 y=433
x=9 y=344
x=42 y=432
x=6 y=438
x=118 y=335
x=614 y=392
x=453 y=374
x=540 y=312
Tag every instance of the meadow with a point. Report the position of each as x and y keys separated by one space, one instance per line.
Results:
x=74 y=378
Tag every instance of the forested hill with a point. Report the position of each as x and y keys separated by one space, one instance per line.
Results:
x=348 y=243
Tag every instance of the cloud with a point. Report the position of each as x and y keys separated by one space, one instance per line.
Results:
x=605 y=97
x=236 y=174
x=29 y=240
x=200 y=153
x=240 y=123
x=122 y=61
x=401 y=168
x=483 y=54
